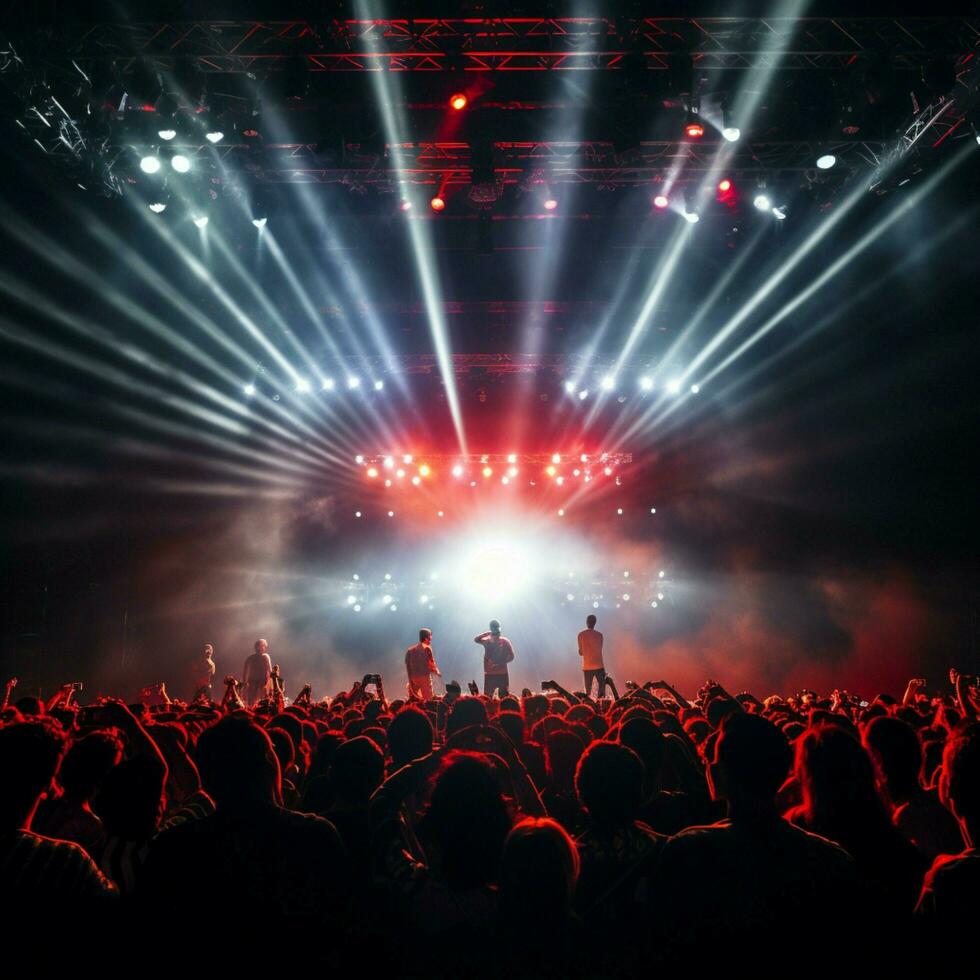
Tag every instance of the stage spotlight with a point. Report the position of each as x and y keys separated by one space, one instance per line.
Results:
x=214 y=135
x=416 y=480
x=357 y=607
x=660 y=201
x=407 y=459
x=595 y=604
x=619 y=510
x=583 y=458
x=201 y=220
x=561 y=511
x=608 y=383
x=400 y=473
x=351 y=600
x=379 y=385
x=424 y=470
x=661 y=574
x=653 y=510
x=249 y=390
x=724 y=186
x=387 y=576
x=626 y=597
x=260 y=222
x=570 y=387
x=550 y=204
x=405 y=205
x=660 y=595
x=158 y=207
x=180 y=163
x=583 y=394
x=512 y=471
x=762 y=202
x=329 y=384
x=695 y=389
x=487 y=471
x=560 y=480
x=674 y=386
x=607 y=470
x=353 y=382
x=512 y=457
x=458 y=101
x=576 y=472
x=386 y=600
x=387 y=483
x=357 y=513
x=693 y=128
x=388 y=462
x=732 y=133
x=440 y=513
x=150 y=164
x=372 y=472
x=457 y=471
x=556 y=458
x=646 y=384
x=779 y=213
x=654 y=604
x=167 y=134
x=423 y=599
x=692 y=217
x=391 y=513
x=626 y=574
x=356 y=577
x=437 y=203
x=569 y=597
x=359 y=459
x=505 y=480
x=550 y=471
x=302 y=385
x=826 y=161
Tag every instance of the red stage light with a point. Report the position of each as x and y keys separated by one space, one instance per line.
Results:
x=724 y=186
x=372 y=472
x=458 y=101
x=694 y=130
x=437 y=203
x=550 y=204
x=660 y=201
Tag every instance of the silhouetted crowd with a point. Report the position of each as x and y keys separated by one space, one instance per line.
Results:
x=547 y=834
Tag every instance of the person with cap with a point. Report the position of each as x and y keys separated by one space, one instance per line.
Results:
x=497 y=653
x=421 y=665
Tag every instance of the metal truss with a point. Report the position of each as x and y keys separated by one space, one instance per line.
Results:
x=531 y=44
x=482 y=364
x=522 y=163
x=583 y=462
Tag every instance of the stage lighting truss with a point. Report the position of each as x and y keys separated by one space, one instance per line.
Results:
x=542 y=470
x=646 y=589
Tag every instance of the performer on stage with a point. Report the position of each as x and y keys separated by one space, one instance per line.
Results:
x=256 y=678
x=202 y=672
x=421 y=665
x=497 y=653
x=590 y=650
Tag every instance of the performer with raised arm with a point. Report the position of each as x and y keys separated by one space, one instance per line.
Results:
x=257 y=676
x=590 y=650
x=497 y=653
x=421 y=665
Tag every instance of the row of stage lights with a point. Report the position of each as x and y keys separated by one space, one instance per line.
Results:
x=388 y=470
x=387 y=595
x=577 y=389
x=561 y=511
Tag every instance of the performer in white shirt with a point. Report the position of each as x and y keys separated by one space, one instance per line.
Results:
x=590 y=650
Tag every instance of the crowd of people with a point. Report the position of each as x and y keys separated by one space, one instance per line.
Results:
x=548 y=833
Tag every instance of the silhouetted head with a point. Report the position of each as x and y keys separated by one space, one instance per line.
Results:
x=466 y=712
x=425 y=635
x=357 y=770
x=237 y=764
x=647 y=741
x=30 y=752
x=751 y=760
x=609 y=783
x=959 y=781
x=409 y=736
x=495 y=627
x=87 y=762
x=590 y=621
x=896 y=751
x=261 y=646
x=563 y=749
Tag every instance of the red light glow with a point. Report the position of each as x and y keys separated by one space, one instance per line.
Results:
x=694 y=130
x=660 y=201
x=550 y=204
x=458 y=101
x=724 y=186
x=437 y=203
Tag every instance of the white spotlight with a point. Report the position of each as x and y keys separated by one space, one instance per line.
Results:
x=416 y=480
x=619 y=510
x=302 y=384
x=661 y=574
x=826 y=161
x=457 y=470
x=692 y=217
x=249 y=389
x=626 y=597
x=391 y=513
x=393 y=607
x=646 y=384
x=214 y=136
x=608 y=383
x=570 y=387
x=407 y=459
x=653 y=510
x=351 y=600
x=561 y=511
x=357 y=608
x=583 y=394
x=387 y=600
x=329 y=384
x=180 y=163
x=201 y=221
x=158 y=207
x=512 y=458
x=259 y=222
x=353 y=382
x=732 y=133
x=695 y=389
x=357 y=513
x=166 y=134
x=762 y=202
x=654 y=603
x=387 y=576
x=150 y=164
x=423 y=599
x=388 y=462
x=674 y=386
x=779 y=213
x=378 y=385
x=556 y=458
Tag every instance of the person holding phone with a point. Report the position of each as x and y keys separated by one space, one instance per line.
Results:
x=421 y=665
x=497 y=653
